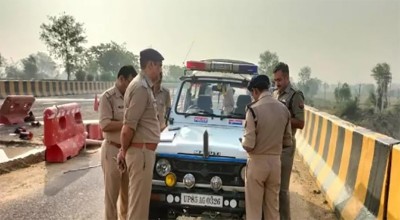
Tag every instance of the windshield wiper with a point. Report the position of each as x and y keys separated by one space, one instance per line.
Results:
x=233 y=115
x=200 y=113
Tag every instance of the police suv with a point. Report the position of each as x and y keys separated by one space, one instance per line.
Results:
x=200 y=162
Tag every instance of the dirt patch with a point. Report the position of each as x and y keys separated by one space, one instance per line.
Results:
x=35 y=173
x=19 y=163
x=307 y=201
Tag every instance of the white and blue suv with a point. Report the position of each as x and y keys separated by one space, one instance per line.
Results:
x=200 y=162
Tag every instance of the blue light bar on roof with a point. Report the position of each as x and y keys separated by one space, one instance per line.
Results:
x=211 y=66
x=245 y=68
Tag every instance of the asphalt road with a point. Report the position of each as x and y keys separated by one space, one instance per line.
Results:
x=53 y=191
x=44 y=191
x=56 y=191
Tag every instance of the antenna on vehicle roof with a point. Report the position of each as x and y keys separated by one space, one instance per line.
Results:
x=190 y=48
x=187 y=54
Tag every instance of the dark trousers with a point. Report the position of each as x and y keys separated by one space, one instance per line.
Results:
x=286 y=170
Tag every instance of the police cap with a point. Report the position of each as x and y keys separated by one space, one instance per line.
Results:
x=259 y=82
x=151 y=55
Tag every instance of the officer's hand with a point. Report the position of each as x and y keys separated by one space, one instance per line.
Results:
x=121 y=161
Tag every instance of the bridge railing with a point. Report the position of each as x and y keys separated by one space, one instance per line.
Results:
x=51 y=88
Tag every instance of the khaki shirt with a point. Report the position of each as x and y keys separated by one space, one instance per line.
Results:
x=297 y=104
x=141 y=110
x=228 y=102
x=270 y=129
x=111 y=108
x=163 y=103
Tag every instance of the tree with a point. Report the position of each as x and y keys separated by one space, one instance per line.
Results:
x=30 y=67
x=172 y=73
x=268 y=61
x=371 y=101
x=38 y=66
x=89 y=77
x=108 y=59
x=2 y=61
x=47 y=68
x=309 y=86
x=304 y=78
x=80 y=75
x=326 y=86
x=3 y=64
x=64 y=38
x=383 y=77
x=343 y=93
x=305 y=74
x=12 y=71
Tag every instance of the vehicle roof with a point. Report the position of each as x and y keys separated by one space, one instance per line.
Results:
x=202 y=75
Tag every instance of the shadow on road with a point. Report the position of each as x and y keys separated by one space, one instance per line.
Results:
x=61 y=175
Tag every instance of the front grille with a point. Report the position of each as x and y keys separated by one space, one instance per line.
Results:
x=204 y=170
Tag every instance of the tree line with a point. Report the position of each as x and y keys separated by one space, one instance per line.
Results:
x=378 y=109
x=65 y=39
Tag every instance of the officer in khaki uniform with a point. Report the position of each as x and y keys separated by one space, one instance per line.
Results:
x=163 y=98
x=294 y=101
x=267 y=129
x=140 y=134
x=111 y=112
x=228 y=104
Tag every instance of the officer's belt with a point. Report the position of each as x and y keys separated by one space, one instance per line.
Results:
x=149 y=146
x=113 y=144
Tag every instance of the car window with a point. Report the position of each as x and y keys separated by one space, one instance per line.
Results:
x=213 y=98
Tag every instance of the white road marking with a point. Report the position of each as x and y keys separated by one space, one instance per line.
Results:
x=64 y=100
x=49 y=103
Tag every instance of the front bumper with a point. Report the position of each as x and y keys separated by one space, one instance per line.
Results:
x=232 y=198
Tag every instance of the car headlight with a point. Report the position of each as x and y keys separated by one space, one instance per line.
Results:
x=243 y=172
x=189 y=180
x=163 y=167
x=216 y=183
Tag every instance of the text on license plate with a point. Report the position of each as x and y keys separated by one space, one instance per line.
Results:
x=201 y=200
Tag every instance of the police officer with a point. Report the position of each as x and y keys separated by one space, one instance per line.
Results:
x=294 y=101
x=163 y=98
x=111 y=112
x=140 y=134
x=228 y=101
x=267 y=129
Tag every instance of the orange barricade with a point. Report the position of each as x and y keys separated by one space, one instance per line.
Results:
x=15 y=108
x=64 y=132
x=94 y=131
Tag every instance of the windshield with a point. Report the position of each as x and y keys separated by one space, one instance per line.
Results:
x=213 y=98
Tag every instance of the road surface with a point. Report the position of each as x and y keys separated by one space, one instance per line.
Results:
x=49 y=191
x=54 y=191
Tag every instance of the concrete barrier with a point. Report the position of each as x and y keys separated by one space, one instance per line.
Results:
x=350 y=163
x=393 y=211
x=51 y=88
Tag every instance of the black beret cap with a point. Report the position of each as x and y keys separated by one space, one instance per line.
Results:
x=259 y=81
x=127 y=70
x=151 y=55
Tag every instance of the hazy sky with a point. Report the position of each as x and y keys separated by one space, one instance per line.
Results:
x=339 y=40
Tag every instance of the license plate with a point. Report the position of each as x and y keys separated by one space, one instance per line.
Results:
x=201 y=200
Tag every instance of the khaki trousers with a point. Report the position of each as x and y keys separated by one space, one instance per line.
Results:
x=116 y=184
x=263 y=177
x=140 y=163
